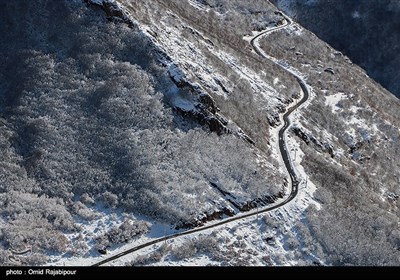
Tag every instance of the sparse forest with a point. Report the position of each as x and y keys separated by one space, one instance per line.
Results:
x=85 y=122
x=90 y=126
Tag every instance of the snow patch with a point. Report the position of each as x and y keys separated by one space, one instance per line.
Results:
x=333 y=100
x=178 y=101
x=107 y=219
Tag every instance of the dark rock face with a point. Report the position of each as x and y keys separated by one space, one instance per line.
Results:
x=241 y=206
x=310 y=139
x=113 y=12
x=216 y=215
x=244 y=206
x=357 y=151
x=273 y=120
x=366 y=31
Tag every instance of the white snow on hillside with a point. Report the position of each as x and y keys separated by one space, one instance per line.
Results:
x=333 y=100
x=247 y=230
x=271 y=241
x=356 y=125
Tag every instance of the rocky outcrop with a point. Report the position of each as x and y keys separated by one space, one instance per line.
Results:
x=205 y=109
x=205 y=217
x=244 y=206
x=309 y=139
x=274 y=119
x=112 y=10
x=356 y=153
x=260 y=201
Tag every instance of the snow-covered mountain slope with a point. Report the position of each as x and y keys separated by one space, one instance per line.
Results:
x=364 y=30
x=131 y=120
x=95 y=115
x=337 y=142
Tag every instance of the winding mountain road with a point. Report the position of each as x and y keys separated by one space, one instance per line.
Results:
x=283 y=150
x=306 y=93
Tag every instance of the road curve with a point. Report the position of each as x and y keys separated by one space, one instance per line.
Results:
x=282 y=146
x=306 y=93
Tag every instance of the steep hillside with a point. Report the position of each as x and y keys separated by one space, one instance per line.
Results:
x=348 y=133
x=91 y=118
x=364 y=30
x=125 y=121
x=357 y=184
